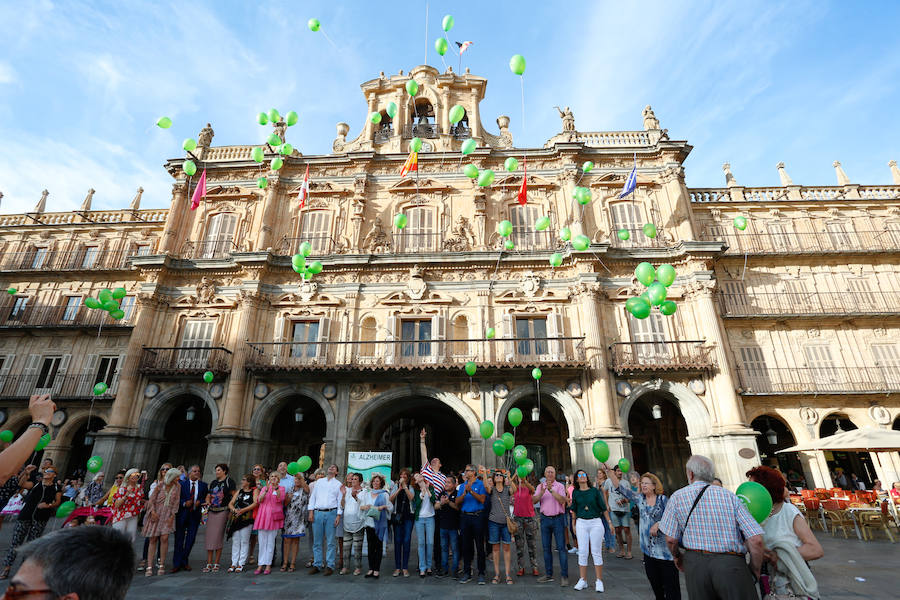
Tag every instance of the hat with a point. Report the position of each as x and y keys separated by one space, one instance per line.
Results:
x=171 y=475
x=130 y=472
x=838 y=470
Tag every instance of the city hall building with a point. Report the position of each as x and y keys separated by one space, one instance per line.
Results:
x=786 y=331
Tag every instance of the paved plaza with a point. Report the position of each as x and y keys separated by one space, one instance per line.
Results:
x=838 y=574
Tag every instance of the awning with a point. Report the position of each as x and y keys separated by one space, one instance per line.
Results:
x=865 y=439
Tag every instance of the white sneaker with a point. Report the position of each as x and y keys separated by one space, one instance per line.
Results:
x=573 y=550
x=581 y=584
x=598 y=586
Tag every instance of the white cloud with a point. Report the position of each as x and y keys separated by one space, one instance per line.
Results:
x=7 y=74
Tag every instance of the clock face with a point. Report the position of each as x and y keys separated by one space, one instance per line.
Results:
x=426 y=146
x=59 y=417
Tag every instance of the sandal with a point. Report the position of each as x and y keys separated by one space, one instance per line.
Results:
x=258 y=571
x=231 y=569
x=238 y=569
x=284 y=567
x=509 y=580
x=356 y=571
x=4 y=574
x=496 y=579
x=620 y=554
x=161 y=570
x=268 y=571
x=148 y=572
x=215 y=568
x=291 y=568
x=343 y=572
x=396 y=573
x=207 y=568
x=628 y=556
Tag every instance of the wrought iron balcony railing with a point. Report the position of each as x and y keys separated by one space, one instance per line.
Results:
x=72 y=387
x=825 y=242
x=811 y=304
x=38 y=315
x=383 y=135
x=528 y=239
x=818 y=380
x=185 y=360
x=663 y=355
x=422 y=130
x=208 y=249
x=460 y=131
x=411 y=241
x=82 y=259
x=387 y=354
x=321 y=245
x=636 y=239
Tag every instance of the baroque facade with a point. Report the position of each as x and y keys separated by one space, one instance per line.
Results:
x=784 y=332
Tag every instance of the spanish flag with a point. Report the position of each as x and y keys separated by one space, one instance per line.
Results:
x=411 y=164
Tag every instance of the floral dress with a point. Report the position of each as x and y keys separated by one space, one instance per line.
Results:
x=134 y=500
x=164 y=504
x=296 y=513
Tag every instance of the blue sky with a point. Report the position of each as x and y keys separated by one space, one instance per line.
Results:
x=81 y=84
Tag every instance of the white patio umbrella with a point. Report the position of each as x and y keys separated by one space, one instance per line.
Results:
x=865 y=439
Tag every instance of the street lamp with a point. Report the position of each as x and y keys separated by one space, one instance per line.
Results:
x=535 y=414
x=298 y=415
x=771 y=434
x=656 y=411
x=89 y=438
x=190 y=413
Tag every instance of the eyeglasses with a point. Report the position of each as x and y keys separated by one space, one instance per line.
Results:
x=12 y=594
x=582 y=476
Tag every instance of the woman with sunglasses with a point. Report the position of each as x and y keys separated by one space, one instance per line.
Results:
x=160 y=477
x=127 y=504
x=159 y=522
x=40 y=505
x=587 y=507
x=261 y=477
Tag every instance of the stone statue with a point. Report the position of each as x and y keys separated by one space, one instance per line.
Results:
x=280 y=128
x=206 y=290
x=568 y=119
x=650 y=120
x=377 y=240
x=206 y=136
x=461 y=236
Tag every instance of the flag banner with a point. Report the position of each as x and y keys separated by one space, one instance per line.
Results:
x=199 y=192
x=304 y=189
x=369 y=463
x=463 y=46
x=411 y=164
x=631 y=182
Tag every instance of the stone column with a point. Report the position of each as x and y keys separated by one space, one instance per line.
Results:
x=341 y=425
x=237 y=379
x=602 y=415
x=370 y=126
x=446 y=140
x=170 y=239
x=270 y=211
x=475 y=117
x=567 y=184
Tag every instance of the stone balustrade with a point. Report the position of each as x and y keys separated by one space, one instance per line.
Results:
x=157 y=215
x=224 y=153
x=795 y=193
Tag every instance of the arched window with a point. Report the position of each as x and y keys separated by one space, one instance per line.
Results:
x=367 y=337
x=421 y=120
x=419 y=234
x=461 y=130
x=384 y=129
x=219 y=239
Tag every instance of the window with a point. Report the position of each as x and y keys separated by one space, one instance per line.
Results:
x=18 y=308
x=196 y=334
x=304 y=331
x=649 y=338
x=127 y=306
x=888 y=360
x=861 y=295
x=40 y=257
x=142 y=249
x=797 y=298
x=839 y=235
x=90 y=257
x=627 y=215
x=755 y=374
x=893 y=230
x=778 y=236
x=415 y=331
x=418 y=235
x=316 y=230
x=734 y=293
x=524 y=235
x=72 y=304
x=48 y=372
x=107 y=370
x=219 y=236
x=714 y=231
x=821 y=364
x=526 y=330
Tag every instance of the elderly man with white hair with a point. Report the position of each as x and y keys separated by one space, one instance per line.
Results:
x=706 y=529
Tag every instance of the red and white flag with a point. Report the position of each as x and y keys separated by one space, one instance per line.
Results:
x=463 y=46
x=304 y=189
x=199 y=192
x=522 y=196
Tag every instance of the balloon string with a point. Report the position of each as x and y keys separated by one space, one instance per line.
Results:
x=328 y=38
x=745 y=266
x=426 y=35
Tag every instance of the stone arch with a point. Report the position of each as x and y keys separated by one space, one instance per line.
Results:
x=570 y=408
x=373 y=404
x=844 y=414
x=153 y=417
x=74 y=422
x=691 y=407
x=261 y=421
x=794 y=426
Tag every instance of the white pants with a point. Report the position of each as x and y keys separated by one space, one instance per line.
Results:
x=266 y=541
x=590 y=539
x=240 y=546
x=128 y=527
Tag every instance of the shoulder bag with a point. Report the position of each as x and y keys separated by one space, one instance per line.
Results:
x=686 y=521
x=511 y=525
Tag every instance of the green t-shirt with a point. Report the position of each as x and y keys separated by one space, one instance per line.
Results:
x=588 y=504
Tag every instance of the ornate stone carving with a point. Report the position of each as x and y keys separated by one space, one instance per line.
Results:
x=809 y=415
x=880 y=332
x=416 y=286
x=531 y=284
x=307 y=290
x=206 y=291
x=377 y=240
x=650 y=120
x=568 y=119
x=461 y=236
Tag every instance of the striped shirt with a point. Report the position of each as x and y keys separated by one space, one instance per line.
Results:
x=720 y=523
x=436 y=479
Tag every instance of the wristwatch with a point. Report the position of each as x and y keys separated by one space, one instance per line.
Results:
x=41 y=426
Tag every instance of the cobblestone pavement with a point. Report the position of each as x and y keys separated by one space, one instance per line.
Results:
x=838 y=574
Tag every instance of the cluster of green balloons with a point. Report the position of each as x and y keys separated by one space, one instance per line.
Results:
x=657 y=282
x=587 y=167
x=623 y=234
x=108 y=300
x=301 y=465
x=279 y=146
x=468 y=146
x=314 y=24
x=536 y=374
x=740 y=223
x=650 y=230
x=457 y=113
x=505 y=228
x=94 y=464
x=470 y=171
x=300 y=266
x=624 y=465
x=400 y=220
x=491 y=333
x=582 y=195
x=486 y=429
x=6 y=436
x=412 y=87
x=12 y=291
x=511 y=164
x=470 y=368
x=486 y=178
x=581 y=242
x=42 y=443
x=756 y=498
x=100 y=388
x=600 y=450
x=447 y=23
x=65 y=509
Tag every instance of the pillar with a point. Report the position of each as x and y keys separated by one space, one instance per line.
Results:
x=270 y=212
x=602 y=413
x=170 y=238
x=370 y=126
x=475 y=117
x=237 y=379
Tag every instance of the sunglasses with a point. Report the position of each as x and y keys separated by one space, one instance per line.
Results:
x=582 y=476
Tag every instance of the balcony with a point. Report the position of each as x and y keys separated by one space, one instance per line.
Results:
x=82 y=259
x=409 y=241
x=384 y=135
x=529 y=239
x=665 y=355
x=826 y=242
x=207 y=249
x=460 y=132
x=185 y=360
x=422 y=130
x=637 y=239
x=321 y=245
x=813 y=304
x=818 y=380
x=50 y=316
x=71 y=387
x=381 y=355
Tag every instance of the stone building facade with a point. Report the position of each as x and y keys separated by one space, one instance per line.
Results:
x=784 y=332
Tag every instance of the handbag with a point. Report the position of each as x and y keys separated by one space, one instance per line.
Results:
x=688 y=519
x=373 y=513
x=511 y=525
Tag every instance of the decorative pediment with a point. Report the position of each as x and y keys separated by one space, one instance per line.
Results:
x=323 y=188
x=530 y=295
x=402 y=299
x=307 y=292
x=535 y=182
x=410 y=185
x=223 y=191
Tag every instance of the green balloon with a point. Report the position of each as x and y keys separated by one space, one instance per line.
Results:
x=638 y=307
x=291 y=118
x=517 y=64
x=313 y=24
x=511 y=164
x=12 y=291
x=298 y=260
x=315 y=267
x=42 y=443
x=508 y=440
x=117 y=314
x=208 y=377
x=529 y=464
x=504 y=228
x=274 y=117
x=277 y=163
x=304 y=462
x=100 y=388
x=486 y=178
x=440 y=45
x=522 y=471
x=92 y=303
x=400 y=220
x=305 y=249
x=94 y=464
x=375 y=117
x=286 y=149
x=470 y=368
x=391 y=109
x=119 y=293
x=657 y=293
x=457 y=113
x=740 y=223
x=487 y=429
x=273 y=140
x=756 y=498
x=468 y=146
x=415 y=144
x=624 y=465
x=520 y=454
x=581 y=242
x=565 y=234
x=542 y=223
x=509 y=244
x=110 y=305
x=514 y=417
x=623 y=234
x=293 y=468
x=587 y=167
x=262 y=118
x=498 y=447
x=412 y=88
x=645 y=273
x=556 y=259
x=6 y=436
x=257 y=153
x=447 y=22
x=470 y=171
x=105 y=295
x=665 y=274
x=164 y=122
x=300 y=270
x=650 y=230
x=600 y=450
x=668 y=308
x=65 y=509
x=189 y=168
x=536 y=374
x=491 y=333
x=582 y=195
x=262 y=182
x=189 y=144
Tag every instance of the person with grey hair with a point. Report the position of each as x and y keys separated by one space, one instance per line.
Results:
x=101 y=569
x=708 y=531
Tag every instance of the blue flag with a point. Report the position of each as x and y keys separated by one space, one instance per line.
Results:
x=630 y=183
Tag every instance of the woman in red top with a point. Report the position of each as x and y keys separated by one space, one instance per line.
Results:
x=127 y=504
x=895 y=492
x=523 y=515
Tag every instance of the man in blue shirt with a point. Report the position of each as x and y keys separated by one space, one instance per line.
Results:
x=470 y=497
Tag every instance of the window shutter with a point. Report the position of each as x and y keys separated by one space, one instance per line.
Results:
x=120 y=364
x=509 y=332
x=821 y=365
x=390 y=350
x=439 y=334
x=322 y=349
x=29 y=375
x=555 y=330
x=5 y=368
x=627 y=215
x=88 y=375
x=60 y=378
x=755 y=372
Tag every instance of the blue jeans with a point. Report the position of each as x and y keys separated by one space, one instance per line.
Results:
x=323 y=528
x=402 y=536
x=425 y=542
x=449 y=539
x=555 y=526
x=471 y=531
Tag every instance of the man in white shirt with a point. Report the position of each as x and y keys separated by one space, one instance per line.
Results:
x=325 y=511
x=287 y=480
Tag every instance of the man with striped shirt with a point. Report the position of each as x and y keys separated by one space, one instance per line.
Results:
x=431 y=471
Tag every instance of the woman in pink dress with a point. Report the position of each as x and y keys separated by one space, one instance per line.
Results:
x=269 y=519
